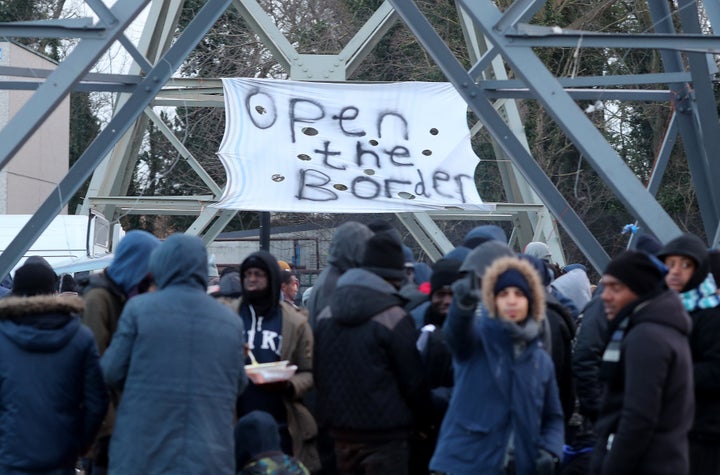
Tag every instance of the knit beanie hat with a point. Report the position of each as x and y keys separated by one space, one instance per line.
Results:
x=444 y=273
x=484 y=233
x=512 y=278
x=648 y=243
x=689 y=245
x=408 y=256
x=636 y=270
x=379 y=225
x=422 y=273
x=255 y=433
x=384 y=256
x=231 y=284
x=34 y=279
x=37 y=260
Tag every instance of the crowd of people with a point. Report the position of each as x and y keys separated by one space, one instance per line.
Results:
x=487 y=361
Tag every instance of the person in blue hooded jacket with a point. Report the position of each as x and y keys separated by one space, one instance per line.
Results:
x=105 y=296
x=505 y=416
x=52 y=394
x=178 y=356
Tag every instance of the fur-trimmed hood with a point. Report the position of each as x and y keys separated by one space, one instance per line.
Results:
x=41 y=323
x=498 y=267
x=12 y=307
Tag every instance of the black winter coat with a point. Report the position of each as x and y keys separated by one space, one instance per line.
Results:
x=368 y=373
x=52 y=394
x=562 y=332
x=648 y=408
x=587 y=355
x=705 y=347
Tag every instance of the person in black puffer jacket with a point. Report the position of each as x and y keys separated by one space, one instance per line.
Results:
x=647 y=412
x=370 y=380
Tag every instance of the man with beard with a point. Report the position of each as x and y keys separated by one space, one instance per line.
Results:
x=277 y=332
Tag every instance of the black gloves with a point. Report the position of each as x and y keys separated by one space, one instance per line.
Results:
x=466 y=293
x=545 y=463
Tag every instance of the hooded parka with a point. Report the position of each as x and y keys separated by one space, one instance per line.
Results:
x=501 y=403
x=178 y=356
x=346 y=252
x=52 y=394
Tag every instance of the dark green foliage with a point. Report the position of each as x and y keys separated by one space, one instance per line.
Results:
x=84 y=127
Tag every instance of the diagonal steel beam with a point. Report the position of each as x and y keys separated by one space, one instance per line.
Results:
x=575 y=123
x=712 y=10
x=121 y=122
x=684 y=103
x=519 y=11
x=59 y=84
x=483 y=108
x=705 y=106
x=368 y=37
x=184 y=152
x=112 y=177
x=271 y=36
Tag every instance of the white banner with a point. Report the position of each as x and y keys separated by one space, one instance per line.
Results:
x=346 y=148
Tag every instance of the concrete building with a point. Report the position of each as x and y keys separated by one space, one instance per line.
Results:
x=42 y=162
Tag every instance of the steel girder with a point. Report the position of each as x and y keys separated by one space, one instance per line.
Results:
x=528 y=226
x=61 y=81
x=510 y=42
x=513 y=40
x=133 y=108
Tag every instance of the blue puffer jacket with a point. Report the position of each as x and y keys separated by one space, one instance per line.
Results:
x=497 y=397
x=178 y=354
x=52 y=394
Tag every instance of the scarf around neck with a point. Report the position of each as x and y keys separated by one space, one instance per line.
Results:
x=522 y=334
x=701 y=297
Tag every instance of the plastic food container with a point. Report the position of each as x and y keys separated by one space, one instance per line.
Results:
x=270 y=372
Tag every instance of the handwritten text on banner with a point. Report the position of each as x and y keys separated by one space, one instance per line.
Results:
x=346 y=148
